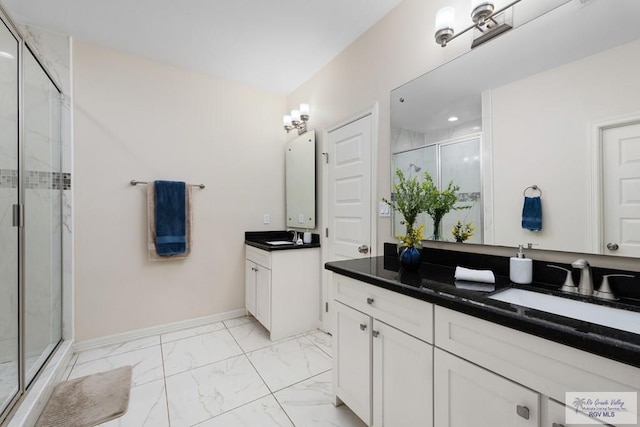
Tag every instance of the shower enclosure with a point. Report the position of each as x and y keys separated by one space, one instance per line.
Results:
x=30 y=216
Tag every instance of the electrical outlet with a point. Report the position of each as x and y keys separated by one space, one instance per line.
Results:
x=266 y=219
x=300 y=218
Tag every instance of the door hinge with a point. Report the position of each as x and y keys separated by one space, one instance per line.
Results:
x=326 y=157
x=326 y=232
x=326 y=307
x=18 y=215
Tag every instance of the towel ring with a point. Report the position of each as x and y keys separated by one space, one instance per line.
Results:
x=534 y=188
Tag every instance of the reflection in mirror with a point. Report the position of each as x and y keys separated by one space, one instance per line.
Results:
x=300 y=188
x=453 y=160
x=556 y=99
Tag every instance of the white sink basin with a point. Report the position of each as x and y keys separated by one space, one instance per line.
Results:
x=606 y=316
x=279 y=242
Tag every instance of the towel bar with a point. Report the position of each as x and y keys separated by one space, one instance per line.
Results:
x=534 y=188
x=134 y=182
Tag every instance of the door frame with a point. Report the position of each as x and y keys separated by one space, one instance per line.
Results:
x=596 y=214
x=372 y=111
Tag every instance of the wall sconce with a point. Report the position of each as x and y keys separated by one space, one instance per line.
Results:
x=488 y=23
x=297 y=120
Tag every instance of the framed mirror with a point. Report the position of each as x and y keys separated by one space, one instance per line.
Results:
x=300 y=177
x=555 y=103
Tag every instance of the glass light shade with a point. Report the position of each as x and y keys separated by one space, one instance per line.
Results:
x=445 y=18
x=304 y=109
x=476 y=3
x=286 y=120
x=295 y=115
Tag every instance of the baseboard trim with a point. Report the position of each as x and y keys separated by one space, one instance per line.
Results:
x=155 y=330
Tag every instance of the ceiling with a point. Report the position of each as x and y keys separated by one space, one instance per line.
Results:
x=274 y=45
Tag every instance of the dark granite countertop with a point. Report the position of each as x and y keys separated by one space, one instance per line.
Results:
x=259 y=239
x=435 y=283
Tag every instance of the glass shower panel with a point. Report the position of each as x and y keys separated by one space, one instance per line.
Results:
x=42 y=200
x=460 y=162
x=9 y=353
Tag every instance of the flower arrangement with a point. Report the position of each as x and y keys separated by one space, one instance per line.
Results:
x=462 y=232
x=438 y=203
x=413 y=236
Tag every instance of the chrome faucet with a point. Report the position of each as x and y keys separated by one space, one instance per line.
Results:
x=295 y=234
x=585 y=286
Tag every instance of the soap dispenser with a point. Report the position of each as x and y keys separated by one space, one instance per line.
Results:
x=521 y=268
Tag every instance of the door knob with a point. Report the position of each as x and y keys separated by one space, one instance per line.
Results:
x=363 y=326
x=612 y=246
x=370 y=301
x=364 y=249
x=375 y=334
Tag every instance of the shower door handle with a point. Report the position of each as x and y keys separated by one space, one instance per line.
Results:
x=18 y=216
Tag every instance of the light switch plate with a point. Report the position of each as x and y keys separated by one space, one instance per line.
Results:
x=385 y=210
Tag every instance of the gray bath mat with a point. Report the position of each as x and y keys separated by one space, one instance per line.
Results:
x=88 y=401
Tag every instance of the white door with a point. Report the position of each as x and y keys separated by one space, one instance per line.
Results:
x=621 y=190
x=348 y=198
x=466 y=395
x=402 y=379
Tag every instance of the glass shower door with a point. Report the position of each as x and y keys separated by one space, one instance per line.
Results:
x=9 y=344
x=43 y=216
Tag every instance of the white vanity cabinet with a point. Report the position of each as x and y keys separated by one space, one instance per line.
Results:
x=383 y=361
x=467 y=395
x=282 y=289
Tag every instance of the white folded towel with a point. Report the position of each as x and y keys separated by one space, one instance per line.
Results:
x=475 y=286
x=470 y=275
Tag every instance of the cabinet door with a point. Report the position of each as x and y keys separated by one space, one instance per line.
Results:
x=352 y=360
x=402 y=378
x=250 y=286
x=466 y=395
x=263 y=296
x=556 y=417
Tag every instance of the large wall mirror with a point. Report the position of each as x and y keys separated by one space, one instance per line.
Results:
x=553 y=103
x=300 y=188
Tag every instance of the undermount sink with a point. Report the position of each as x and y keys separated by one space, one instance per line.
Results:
x=279 y=242
x=606 y=316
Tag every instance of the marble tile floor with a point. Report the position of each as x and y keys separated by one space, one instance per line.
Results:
x=223 y=374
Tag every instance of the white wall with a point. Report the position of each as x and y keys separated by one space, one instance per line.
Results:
x=541 y=129
x=137 y=119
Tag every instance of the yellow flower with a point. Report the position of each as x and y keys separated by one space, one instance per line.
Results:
x=413 y=236
x=462 y=232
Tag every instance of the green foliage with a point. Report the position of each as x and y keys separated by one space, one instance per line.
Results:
x=410 y=195
x=439 y=203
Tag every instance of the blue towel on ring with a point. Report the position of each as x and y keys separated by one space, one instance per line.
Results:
x=532 y=214
x=171 y=217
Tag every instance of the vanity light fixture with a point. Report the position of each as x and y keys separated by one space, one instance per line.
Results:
x=488 y=23
x=297 y=119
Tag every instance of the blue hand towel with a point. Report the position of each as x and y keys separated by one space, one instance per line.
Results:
x=171 y=218
x=532 y=214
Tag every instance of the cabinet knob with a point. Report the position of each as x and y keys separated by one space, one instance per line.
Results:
x=523 y=411
x=557 y=425
x=375 y=334
x=364 y=249
x=369 y=301
x=612 y=246
x=363 y=326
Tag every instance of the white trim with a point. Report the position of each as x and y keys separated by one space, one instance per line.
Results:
x=372 y=111
x=38 y=394
x=594 y=164
x=156 y=330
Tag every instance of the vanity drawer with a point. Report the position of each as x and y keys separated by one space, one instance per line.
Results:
x=411 y=315
x=258 y=256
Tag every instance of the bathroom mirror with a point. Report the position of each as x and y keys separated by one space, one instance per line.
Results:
x=547 y=100
x=300 y=187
